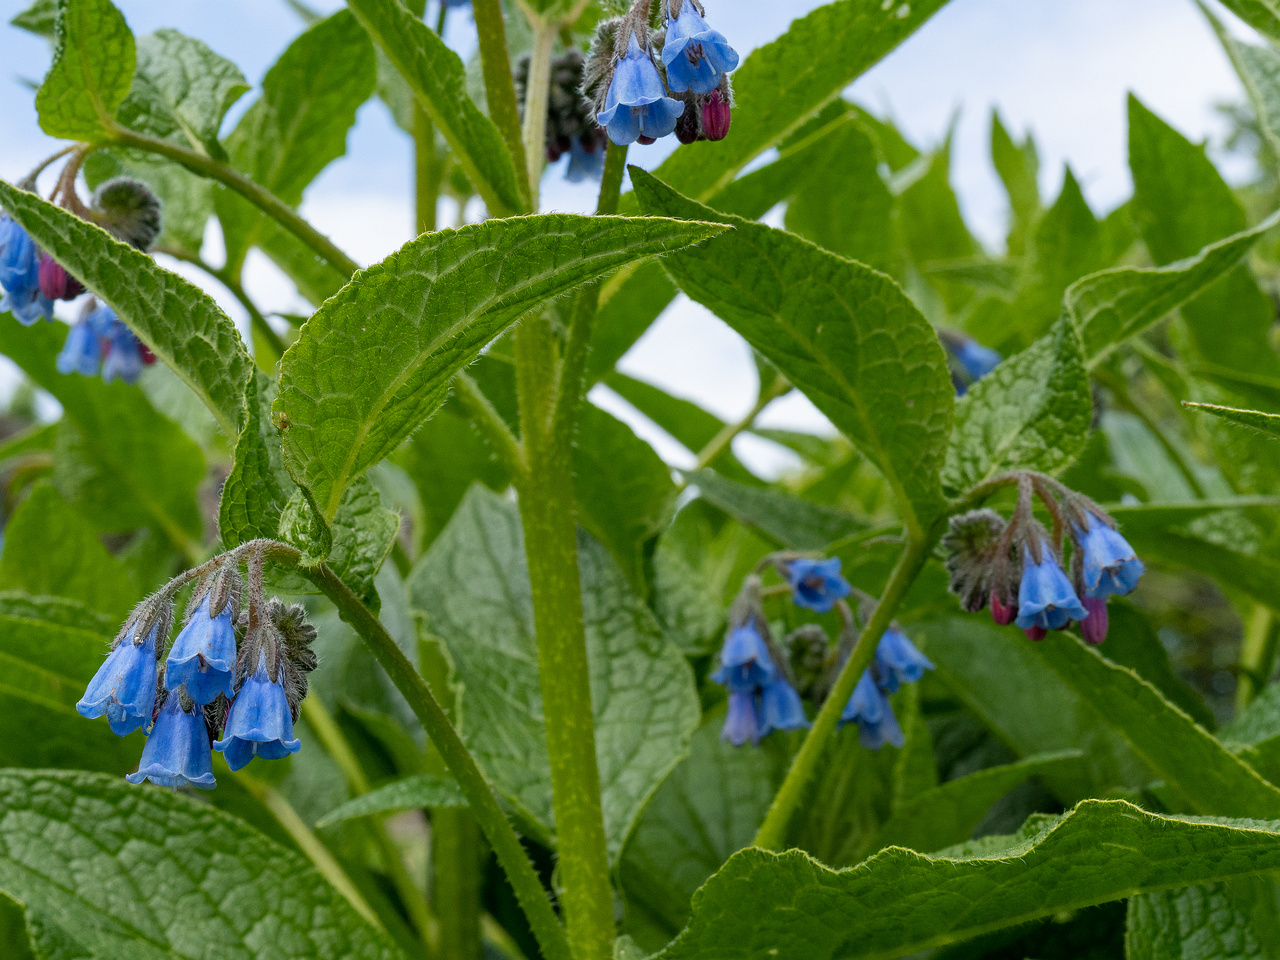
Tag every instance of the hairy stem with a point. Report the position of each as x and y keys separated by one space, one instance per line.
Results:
x=483 y=804
x=455 y=849
x=427 y=170
x=335 y=744
x=773 y=832
x=548 y=511
x=537 y=93
x=261 y=198
x=500 y=90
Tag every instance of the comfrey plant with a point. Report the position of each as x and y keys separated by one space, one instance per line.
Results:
x=544 y=694
x=239 y=672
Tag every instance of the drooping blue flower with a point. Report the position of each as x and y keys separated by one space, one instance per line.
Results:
x=898 y=661
x=259 y=723
x=124 y=688
x=817 y=584
x=1046 y=598
x=745 y=664
x=781 y=707
x=203 y=657
x=869 y=707
x=636 y=105
x=743 y=722
x=124 y=359
x=177 y=753
x=976 y=359
x=1110 y=564
x=696 y=57
x=585 y=164
x=20 y=275
x=82 y=353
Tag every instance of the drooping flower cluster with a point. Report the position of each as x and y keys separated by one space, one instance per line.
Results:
x=967 y=359
x=765 y=686
x=1018 y=567
x=99 y=342
x=571 y=125
x=646 y=85
x=243 y=675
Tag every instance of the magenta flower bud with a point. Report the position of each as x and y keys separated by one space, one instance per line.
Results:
x=55 y=282
x=1094 y=627
x=1036 y=633
x=687 y=128
x=715 y=116
x=1001 y=613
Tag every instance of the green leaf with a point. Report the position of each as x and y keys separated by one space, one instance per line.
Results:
x=625 y=315
x=123 y=463
x=781 y=84
x=181 y=91
x=1268 y=423
x=50 y=549
x=1114 y=305
x=709 y=808
x=41 y=18
x=1018 y=165
x=846 y=336
x=1233 y=564
x=299 y=124
x=792 y=522
x=1235 y=920
x=1032 y=412
x=474 y=586
x=315 y=278
x=258 y=486
x=899 y=902
x=14 y=939
x=933 y=228
x=624 y=491
x=1262 y=15
x=93 y=63
x=177 y=321
x=420 y=316
x=412 y=793
x=150 y=873
x=1181 y=204
x=439 y=80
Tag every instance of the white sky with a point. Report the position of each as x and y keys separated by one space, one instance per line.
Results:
x=1059 y=68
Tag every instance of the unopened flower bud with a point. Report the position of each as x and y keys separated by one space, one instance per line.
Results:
x=128 y=209
x=1002 y=613
x=1094 y=627
x=716 y=116
x=1036 y=633
x=972 y=542
x=55 y=282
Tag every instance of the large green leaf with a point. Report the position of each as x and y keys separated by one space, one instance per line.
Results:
x=177 y=321
x=1018 y=165
x=781 y=84
x=50 y=549
x=299 y=124
x=1268 y=423
x=794 y=523
x=117 y=458
x=40 y=18
x=1032 y=412
x=258 y=486
x=1262 y=15
x=92 y=70
x=147 y=873
x=418 y=317
x=843 y=334
x=1238 y=919
x=899 y=902
x=49 y=649
x=624 y=491
x=474 y=586
x=438 y=78
x=181 y=91
x=1259 y=71
x=1114 y=305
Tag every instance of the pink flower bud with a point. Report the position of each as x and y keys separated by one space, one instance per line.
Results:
x=55 y=282
x=1036 y=633
x=1001 y=613
x=715 y=116
x=1094 y=627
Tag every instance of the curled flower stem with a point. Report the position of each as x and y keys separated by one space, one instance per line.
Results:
x=261 y=198
x=29 y=181
x=773 y=832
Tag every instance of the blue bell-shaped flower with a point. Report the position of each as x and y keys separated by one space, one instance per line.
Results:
x=745 y=663
x=203 y=657
x=177 y=753
x=259 y=723
x=869 y=708
x=636 y=105
x=696 y=57
x=124 y=688
x=1110 y=564
x=816 y=584
x=20 y=275
x=898 y=661
x=743 y=721
x=781 y=707
x=1046 y=598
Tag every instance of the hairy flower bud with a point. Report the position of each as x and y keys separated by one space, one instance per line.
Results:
x=716 y=113
x=972 y=542
x=128 y=209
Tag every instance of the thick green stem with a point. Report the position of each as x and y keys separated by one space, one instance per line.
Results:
x=483 y=804
x=335 y=744
x=537 y=92
x=547 y=510
x=615 y=168
x=261 y=198
x=499 y=87
x=1257 y=654
x=773 y=832
x=427 y=170
x=455 y=850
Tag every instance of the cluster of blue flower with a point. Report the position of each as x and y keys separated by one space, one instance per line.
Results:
x=182 y=705
x=1017 y=567
x=762 y=693
x=98 y=342
x=690 y=96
